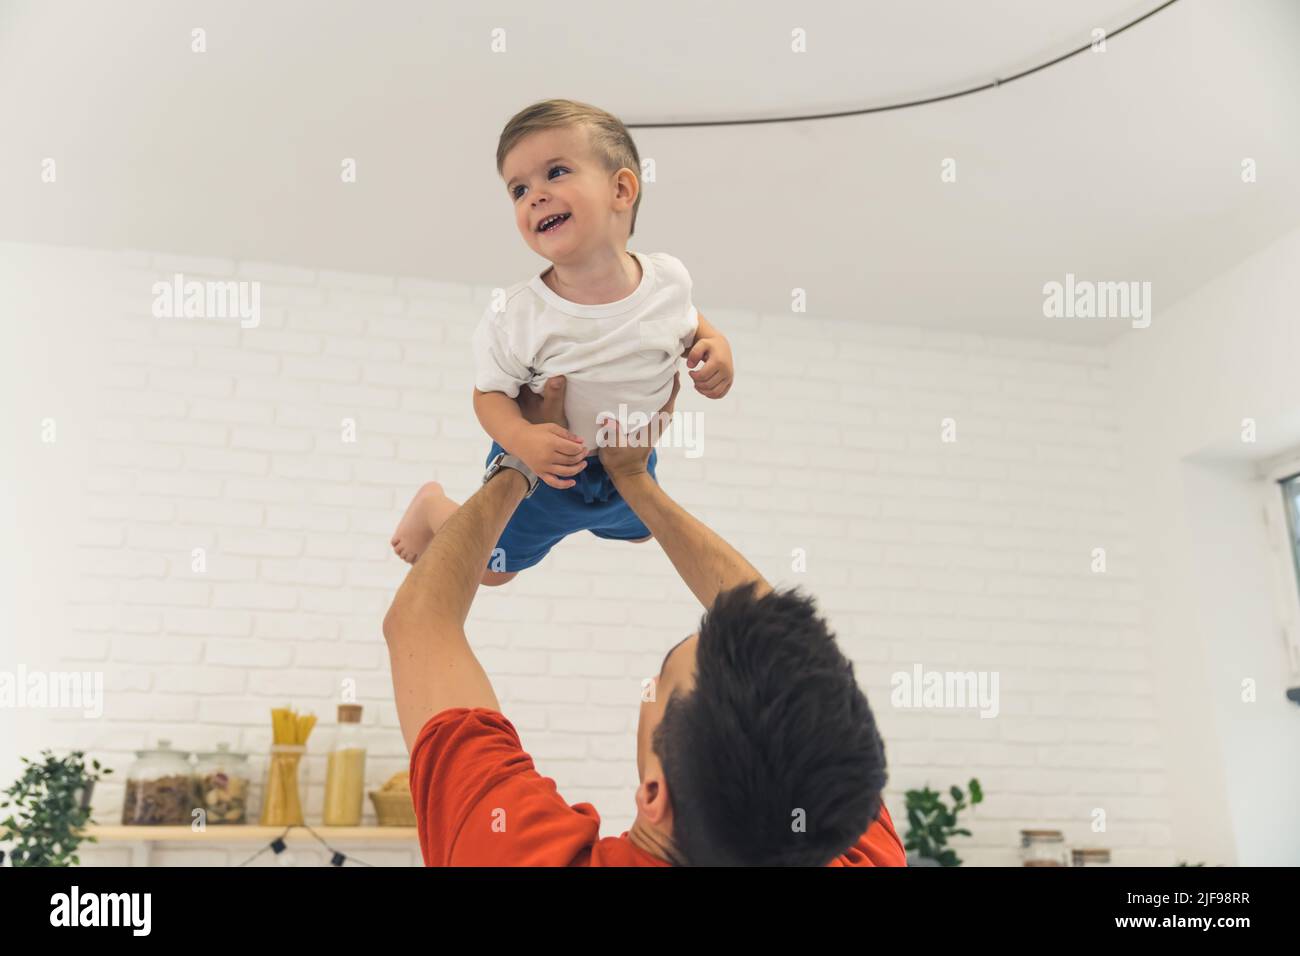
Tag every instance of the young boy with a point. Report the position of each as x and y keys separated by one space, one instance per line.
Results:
x=613 y=323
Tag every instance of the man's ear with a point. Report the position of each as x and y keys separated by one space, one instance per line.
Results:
x=653 y=801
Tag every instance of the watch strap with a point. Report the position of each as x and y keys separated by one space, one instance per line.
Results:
x=507 y=460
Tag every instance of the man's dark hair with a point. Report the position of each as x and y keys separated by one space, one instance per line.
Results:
x=775 y=725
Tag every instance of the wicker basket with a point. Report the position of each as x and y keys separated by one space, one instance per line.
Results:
x=393 y=808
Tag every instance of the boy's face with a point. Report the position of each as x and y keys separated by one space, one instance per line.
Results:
x=552 y=172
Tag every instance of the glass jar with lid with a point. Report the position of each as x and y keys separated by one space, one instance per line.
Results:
x=160 y=788
x=224 y=783
x=345 y=775
x=1043 y=848
x=1090 y=856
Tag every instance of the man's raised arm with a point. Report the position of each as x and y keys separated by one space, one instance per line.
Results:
x=432 y=663
x=706 y=562
x=433 y=666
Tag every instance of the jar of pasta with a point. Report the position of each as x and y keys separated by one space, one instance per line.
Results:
x=224 y=782
x=160 y=788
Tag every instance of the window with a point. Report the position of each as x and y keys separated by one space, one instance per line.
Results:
x=1282 y=506
x=1291 y=502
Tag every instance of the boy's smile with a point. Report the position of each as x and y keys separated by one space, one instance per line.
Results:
x=553 y=222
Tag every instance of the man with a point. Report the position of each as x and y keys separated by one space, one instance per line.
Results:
x=755 y=748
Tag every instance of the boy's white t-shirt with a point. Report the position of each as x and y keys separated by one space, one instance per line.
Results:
x=617 y=353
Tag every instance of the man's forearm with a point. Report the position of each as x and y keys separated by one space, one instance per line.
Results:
x=443 y=582
x=706 y=562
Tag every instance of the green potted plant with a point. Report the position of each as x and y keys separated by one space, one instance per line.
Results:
x=52 y=801
x=931 y=822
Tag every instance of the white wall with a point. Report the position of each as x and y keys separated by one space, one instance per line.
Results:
x=973 y=555
x=1229 y=352
x=45 y=376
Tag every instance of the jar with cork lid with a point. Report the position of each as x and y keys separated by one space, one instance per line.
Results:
x=345 y=774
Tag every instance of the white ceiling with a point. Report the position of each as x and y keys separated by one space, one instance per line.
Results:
x=1116 y=166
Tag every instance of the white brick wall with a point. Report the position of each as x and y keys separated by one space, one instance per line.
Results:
x=973 y=555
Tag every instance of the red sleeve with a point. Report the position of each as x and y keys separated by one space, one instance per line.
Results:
x=479 y=801
x=879 y=846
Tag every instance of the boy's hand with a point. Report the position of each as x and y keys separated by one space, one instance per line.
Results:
x=624 y=460
x=714 y=376
x=545 y=444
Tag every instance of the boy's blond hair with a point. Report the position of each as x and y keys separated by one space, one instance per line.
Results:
x=611 y=144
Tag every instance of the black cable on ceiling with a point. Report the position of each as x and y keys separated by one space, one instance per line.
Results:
x=992 y=84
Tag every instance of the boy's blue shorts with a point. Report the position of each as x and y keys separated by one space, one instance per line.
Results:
x=592 y=504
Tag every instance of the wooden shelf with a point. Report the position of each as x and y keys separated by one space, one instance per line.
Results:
x=142 y=839
x=244 y=833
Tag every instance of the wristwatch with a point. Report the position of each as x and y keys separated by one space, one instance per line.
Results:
x=507 y=460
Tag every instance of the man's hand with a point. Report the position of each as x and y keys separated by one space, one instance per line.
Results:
x=710 y=365
x=545 y=444
x=626 y=459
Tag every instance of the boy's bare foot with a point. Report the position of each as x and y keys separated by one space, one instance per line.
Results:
x=424 y=515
